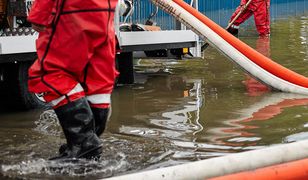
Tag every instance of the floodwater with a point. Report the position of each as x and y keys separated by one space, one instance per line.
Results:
x=178 y=111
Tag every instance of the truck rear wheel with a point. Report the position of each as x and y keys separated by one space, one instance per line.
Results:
x=15 y=88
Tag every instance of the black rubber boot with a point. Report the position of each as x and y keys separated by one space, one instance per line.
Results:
x=77 y=121
x=233 y=31
x=101 y=118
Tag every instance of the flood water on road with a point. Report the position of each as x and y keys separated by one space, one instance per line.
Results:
x=178 y=111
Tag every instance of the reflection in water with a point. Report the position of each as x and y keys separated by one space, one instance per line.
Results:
x=269 y=107
x=304 y=37
x=253 y=86
x=186 y=118
x=179 y=120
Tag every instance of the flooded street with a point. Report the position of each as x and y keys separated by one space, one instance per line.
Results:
x=178 y=111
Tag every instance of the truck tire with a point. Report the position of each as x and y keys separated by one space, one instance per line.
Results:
x=28 y=100
x=15 y=88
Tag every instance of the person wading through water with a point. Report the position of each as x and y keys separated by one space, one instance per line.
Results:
x=75 y=69
x=260 y=9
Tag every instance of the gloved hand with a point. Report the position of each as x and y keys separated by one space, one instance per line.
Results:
x=233 y=31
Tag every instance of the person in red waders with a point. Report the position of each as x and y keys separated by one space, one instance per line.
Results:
x=261 y=11
x=75 y=68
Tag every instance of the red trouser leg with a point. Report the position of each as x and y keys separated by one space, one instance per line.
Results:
x=262 y=18
x=65 y=58
x=101 y=72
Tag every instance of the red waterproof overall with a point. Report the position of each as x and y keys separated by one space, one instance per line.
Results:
x=260 y=10
x=76 y=52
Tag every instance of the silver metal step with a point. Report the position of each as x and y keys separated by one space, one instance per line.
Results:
x=23 y=40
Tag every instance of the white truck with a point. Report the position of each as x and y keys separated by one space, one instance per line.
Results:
x=17 y=51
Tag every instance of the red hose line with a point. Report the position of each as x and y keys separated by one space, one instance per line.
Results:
x=291 y=170
x=256 y=57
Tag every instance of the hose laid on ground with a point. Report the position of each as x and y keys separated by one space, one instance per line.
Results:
x=292 y=170
x=258 y=66
x=251 y=61
x=229 y=164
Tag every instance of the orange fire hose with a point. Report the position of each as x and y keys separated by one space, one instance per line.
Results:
x=292 y=170
x=259 y=59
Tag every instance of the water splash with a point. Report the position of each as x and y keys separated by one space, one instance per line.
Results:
x=70 y=167
x=48 y=124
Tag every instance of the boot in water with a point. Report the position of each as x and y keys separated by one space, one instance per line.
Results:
x=101 y=116
x=77 y=122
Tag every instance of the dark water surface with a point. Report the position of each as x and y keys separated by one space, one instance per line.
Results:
x=177 y=112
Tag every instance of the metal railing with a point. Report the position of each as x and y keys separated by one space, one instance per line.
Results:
x=219 y=11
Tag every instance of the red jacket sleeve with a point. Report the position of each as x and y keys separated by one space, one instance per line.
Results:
x=243 y=2
x=41 y=12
